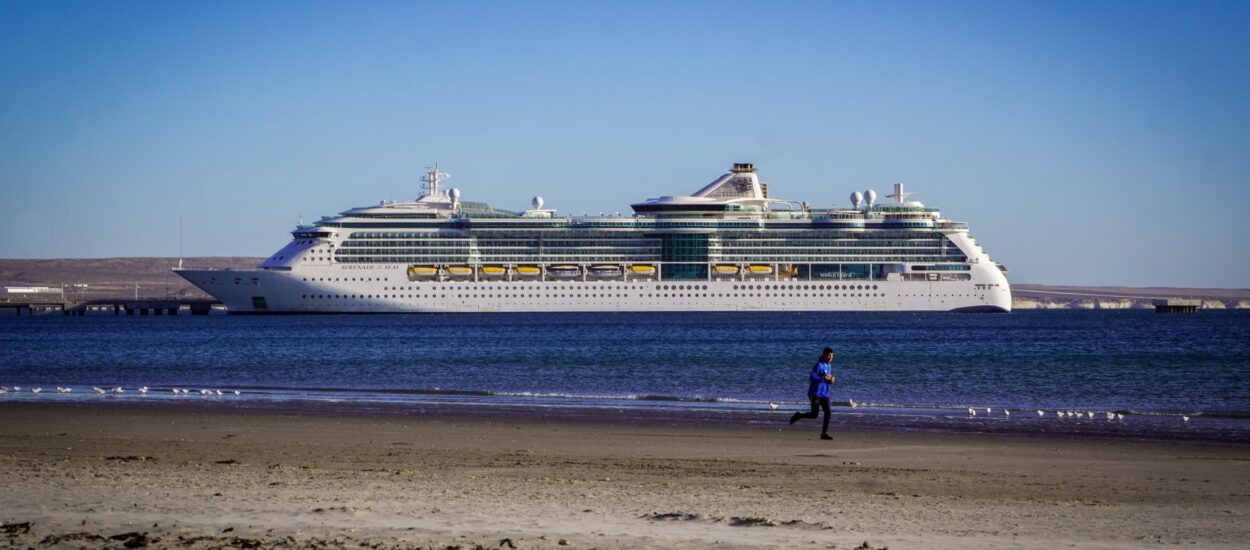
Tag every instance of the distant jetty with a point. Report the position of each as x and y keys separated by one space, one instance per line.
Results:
x=1177 y=305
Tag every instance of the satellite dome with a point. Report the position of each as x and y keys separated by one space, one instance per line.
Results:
x=455 y=194
x=856 y=198
x=537 y=202
x=870 y=197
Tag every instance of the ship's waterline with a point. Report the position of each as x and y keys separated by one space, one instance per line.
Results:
x=728 y=247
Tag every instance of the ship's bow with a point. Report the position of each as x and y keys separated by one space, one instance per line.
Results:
x=241 y=291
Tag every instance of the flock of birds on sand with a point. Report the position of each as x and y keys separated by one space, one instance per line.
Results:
x=1110 y=415
x=143 y=390
x=1006 y=413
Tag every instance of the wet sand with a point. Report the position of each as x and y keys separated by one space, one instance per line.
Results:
x=205 y=476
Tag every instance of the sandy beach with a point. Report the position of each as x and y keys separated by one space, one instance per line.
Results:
x=203 y=476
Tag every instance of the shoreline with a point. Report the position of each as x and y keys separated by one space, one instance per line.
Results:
x=1217 y=429
x=201 y=476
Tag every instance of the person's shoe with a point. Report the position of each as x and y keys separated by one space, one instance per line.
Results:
x=794 y=418
x=826 y=436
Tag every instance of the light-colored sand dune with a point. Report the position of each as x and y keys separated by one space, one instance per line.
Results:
x=198 y=478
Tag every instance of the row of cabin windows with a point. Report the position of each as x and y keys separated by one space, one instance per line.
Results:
x=597 y=295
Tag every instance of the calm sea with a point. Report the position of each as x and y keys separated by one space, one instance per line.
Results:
x=908 y=370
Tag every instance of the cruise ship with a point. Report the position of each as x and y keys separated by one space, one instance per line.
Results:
x=730 y=246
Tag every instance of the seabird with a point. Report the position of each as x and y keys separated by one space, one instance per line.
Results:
x=118 y=390
x=143 y=390
x=771 y=405
x=972 y=411
x=1185 y=418
x=219 y=392
x=236 y=394
x=987 y=410
x=1040 y=412
x=37 y=390
x=1006 y=412
x=1110 y=415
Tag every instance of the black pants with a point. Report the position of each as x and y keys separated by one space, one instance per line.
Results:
x=819 y=404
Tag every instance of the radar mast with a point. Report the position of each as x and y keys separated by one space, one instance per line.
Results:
x=432 y=178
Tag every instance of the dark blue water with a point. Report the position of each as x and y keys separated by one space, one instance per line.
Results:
x=1144 y=364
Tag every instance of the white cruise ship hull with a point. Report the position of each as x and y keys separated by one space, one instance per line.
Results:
x=386 y=289
x=727 y=247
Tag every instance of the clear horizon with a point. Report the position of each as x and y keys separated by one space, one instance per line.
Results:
x=1085 y=143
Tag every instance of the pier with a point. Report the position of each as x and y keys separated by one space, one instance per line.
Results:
x=142 y=306
x=1177 y=305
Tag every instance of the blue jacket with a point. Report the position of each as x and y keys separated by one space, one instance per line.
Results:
x=818 y=387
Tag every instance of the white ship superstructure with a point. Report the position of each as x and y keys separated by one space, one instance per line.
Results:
x=727 y=247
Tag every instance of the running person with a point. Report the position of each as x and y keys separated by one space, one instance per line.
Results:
x=818 y=391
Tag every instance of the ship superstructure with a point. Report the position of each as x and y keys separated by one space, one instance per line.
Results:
x=727 y=247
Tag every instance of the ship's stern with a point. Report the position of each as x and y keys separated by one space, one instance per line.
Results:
x=987 y=277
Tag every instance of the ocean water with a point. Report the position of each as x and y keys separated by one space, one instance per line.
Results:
x=904 y=370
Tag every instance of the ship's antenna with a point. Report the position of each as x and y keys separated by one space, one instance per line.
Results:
x=432 y=178
x=179 y=241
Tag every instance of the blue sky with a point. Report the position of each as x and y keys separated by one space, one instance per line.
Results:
x=1085 y=142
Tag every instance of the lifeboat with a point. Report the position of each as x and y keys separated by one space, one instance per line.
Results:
x=761 y=269
x=725 y=269
x=564 y=271
x=643 y=269
x=790 y=272
x=528 y=271
x=459 y=270
x=494 y=270
x=605 y=271
x=422 y=271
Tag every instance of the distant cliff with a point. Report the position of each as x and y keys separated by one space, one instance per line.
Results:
x=109 y=277
x=1030 y=296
